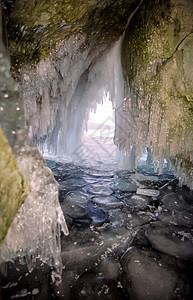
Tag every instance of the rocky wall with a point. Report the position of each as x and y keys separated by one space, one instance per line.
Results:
x=52 y=47
x=157 y=61
x=13 y=190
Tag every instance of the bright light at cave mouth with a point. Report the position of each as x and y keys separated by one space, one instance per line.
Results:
x=102 y=117
x=98 y=137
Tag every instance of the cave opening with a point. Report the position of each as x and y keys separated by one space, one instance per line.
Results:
x=98 y=137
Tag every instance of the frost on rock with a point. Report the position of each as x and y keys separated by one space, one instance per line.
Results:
x=157 y=67
x=35 y=231
x=148 y=192
x=63 y=89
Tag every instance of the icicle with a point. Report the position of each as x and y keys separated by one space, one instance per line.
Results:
x=34 y=232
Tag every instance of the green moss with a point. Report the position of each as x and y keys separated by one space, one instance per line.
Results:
x=176 y=131
x=187 y=165
x=157 y=65
x=13 y=189
x=143 y=41
x=35 y=27
x=107 y=20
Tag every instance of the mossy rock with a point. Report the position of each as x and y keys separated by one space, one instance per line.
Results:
x=35 y=27
x=157 y=63
x=13 y=189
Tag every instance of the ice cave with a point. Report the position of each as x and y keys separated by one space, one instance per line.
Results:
x=96 y=149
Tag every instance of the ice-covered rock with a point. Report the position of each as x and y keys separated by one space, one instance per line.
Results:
x=181 y=218
x=137 y=202
x=147 y=276
x=73 y=183
x=174 y=201
x=109 y=268
x=108 y=202
x=148 y=192
x=76 y=197
x=40 y=218
x=100 y=190
x=91 y=285
x=173 y=240
x=156 y=110
x=138 y=177
x=126 y=186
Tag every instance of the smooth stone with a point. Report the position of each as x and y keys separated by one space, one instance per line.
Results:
x=141 y=177
x=109 y=268
x=64 y=288
x=100 y=190
x=96 y=214
x=92 y=286
x=126 y=186
x=117 y=217
x=76 y=197
x=115 y=205
x=172 y=240
x=108 y=202
x=90 y=180
x=174 y=201
x=82 y=222
x=82 y=257
x=180 y=218
x=148 y=192
x=140 y=239
x=147 y=277
x=140 y=218
x=103 y=200
x=73 y=210
x=137 y=202
x=72 y=183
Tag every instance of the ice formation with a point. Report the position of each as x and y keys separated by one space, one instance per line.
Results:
x=35 y=231
x=58 y=125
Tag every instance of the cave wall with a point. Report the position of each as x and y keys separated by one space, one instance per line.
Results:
x=28 y=191
x=52 y=51
x=157 y=61
x=13 y=189
x=35 y=27
x=52 y=48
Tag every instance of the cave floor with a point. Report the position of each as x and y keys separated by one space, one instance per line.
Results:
x=131 y=237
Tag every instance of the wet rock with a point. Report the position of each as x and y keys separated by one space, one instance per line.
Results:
x=63 y=289
x=117 y=217
x=181 y=218
x=74 y=204
x=140 y=218
x=22 y=284
x=77 y=196
x=100 y=190
x=173 y=240
x=148 y=192
x=108 y=202
x=174 y=201
x=109 y=268
x=74 y=211
x=73 y=183
x=96 y=214
x=91 y=286
x=146 y=276
x=126 y=186
x=87 y=256
x=138 y=177
x=140 y=239
x=137 y=202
